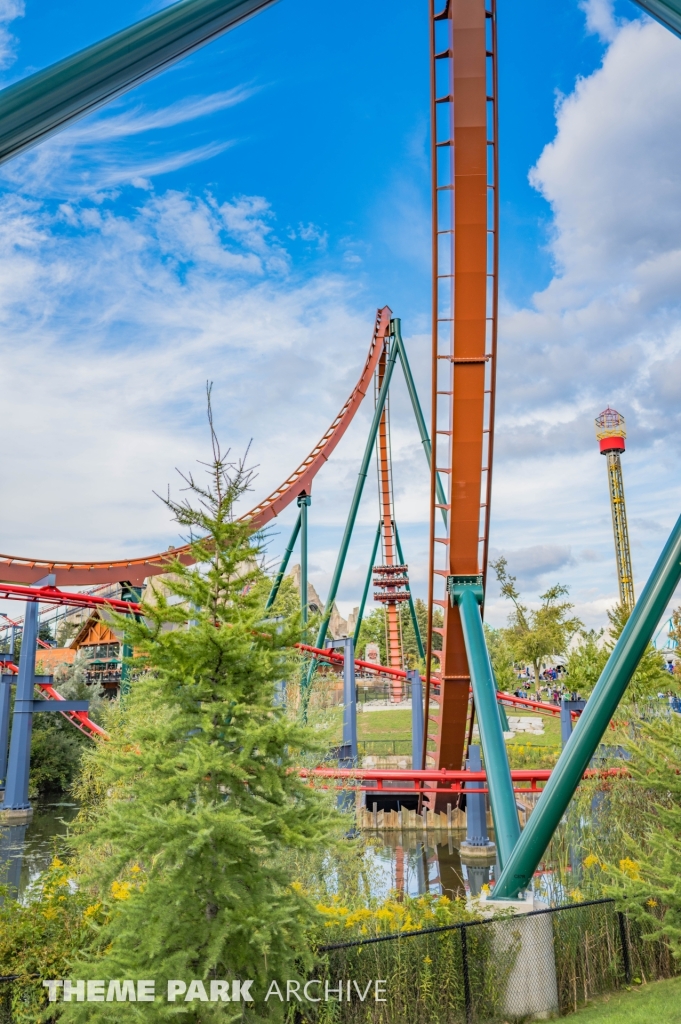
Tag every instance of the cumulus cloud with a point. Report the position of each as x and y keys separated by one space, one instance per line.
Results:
x=600 y=18
x=607 y=329
x=9 y=10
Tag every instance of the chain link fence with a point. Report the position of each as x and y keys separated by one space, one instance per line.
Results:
x=516 y=968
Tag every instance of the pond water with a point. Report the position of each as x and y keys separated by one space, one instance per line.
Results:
x=406 y=861
x=26 y=850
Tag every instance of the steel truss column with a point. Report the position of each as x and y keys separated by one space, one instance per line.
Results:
x=593 y=721
x=620 y=529
x=464 y=312
x=386 y=504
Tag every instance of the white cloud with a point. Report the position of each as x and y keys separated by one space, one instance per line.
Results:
x=600 y=18
x=9 y=10
x=608 y=327
x=90 y=156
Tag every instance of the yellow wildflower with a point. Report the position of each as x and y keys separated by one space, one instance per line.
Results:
x=631 y=869
x=590 y=860
x=651 y=903
x=120 y=890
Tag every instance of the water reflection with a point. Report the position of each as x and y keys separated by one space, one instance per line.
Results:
x=415 y=863
x=26 y=850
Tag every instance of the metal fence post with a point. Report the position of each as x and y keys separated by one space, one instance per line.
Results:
x=626 y=959
x=468 y=1004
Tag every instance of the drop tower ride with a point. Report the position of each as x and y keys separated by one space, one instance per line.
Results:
x=611 y=433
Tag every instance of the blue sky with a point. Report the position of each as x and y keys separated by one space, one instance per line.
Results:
x=240 y=217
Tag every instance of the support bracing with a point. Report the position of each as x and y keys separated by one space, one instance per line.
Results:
x=354 y=505
x=421 y=424
x=44 y=103
x=367 y=584
x=466 y=593
x=412 y=609
x=580 y=748
x=414 y=678
x=304 y=502
x=284 y=563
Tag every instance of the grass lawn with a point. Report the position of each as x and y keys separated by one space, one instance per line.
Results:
x=657 y=1003
x=384 y=725
x=374 y=725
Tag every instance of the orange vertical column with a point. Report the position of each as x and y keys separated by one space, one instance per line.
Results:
x=463 y=330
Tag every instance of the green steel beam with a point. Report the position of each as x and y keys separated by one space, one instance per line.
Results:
x=354 y=507
x=593 y=721
x=420 y=422
x=367 y=584
x=44 y=103
x=412 y=609
x=304 y=502
x=466 y=592
x=284 y=563
x=666 y=11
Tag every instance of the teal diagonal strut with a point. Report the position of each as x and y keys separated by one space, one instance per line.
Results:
x=666 y=11
x=600 y=707
x=46 y=102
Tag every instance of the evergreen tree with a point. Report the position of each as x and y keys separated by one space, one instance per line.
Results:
x=195 y=803
x=647 y=882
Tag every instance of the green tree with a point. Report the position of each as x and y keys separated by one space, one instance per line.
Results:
x=501 y=656
x=646 y=882
x=586 y=661
x=195 y=803
x=534 y=635
x=372 y=631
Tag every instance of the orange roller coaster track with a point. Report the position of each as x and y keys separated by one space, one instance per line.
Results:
x=135 y=570
x=464 y=331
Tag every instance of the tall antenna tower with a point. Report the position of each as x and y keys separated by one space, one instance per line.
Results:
x=611 y=432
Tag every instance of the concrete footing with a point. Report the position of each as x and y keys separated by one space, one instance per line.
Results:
x=526 y=942
x=475 y=855
x=16 y=817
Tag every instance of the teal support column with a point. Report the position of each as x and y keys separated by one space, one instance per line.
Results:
x=352 y=514
x=284 y=563
x=412 y=609
x=466 y=592
x=420 y=422
x=367 y=584
x=304 y=502
x=16 y=788
x=357 y=496
x=593 y=721
x=128 y=593
x=44 y=103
